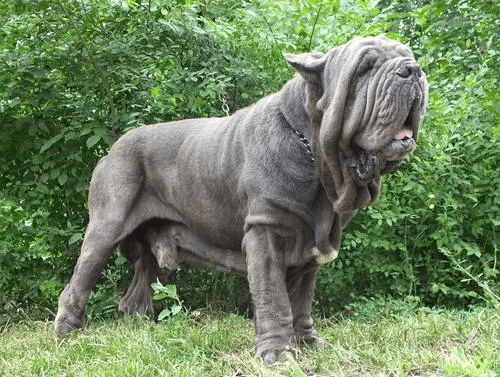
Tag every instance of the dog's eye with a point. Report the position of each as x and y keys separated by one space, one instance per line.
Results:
x=365 y=66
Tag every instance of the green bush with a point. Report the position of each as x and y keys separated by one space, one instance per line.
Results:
x=31 y=270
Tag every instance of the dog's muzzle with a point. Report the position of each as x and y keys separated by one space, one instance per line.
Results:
x=369 y=165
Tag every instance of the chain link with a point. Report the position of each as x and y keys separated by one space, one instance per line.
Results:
x=225 y=106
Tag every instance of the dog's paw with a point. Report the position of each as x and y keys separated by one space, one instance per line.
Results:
x=311 y=341
x=271 y=356
x=64 y=323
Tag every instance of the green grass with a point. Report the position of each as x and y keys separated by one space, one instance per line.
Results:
x=426 y=343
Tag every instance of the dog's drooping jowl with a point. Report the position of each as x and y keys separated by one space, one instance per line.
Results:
x=263 y=193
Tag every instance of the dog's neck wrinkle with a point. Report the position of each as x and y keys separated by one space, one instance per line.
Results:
x=292 y=104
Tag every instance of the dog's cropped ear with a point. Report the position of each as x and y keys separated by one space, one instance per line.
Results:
x=309 y=66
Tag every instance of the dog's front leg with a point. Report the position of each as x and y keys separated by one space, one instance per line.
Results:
x=301 y=282
x=267 y=281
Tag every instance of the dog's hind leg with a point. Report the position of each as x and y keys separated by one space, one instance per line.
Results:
x=138 y=298
x=95 y=253
x=113 y=191
x=149 y=252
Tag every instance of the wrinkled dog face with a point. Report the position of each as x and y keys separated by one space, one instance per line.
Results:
x=390 y=95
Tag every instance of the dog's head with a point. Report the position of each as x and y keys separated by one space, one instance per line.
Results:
x=365 y=103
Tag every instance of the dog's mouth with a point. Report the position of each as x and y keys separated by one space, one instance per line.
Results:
x=368 y=165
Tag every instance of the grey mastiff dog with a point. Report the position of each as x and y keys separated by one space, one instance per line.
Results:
x=263 y=193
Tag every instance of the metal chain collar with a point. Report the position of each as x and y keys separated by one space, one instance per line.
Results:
x=306 y=143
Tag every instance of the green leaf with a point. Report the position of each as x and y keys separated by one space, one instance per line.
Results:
x=63 y=178
x=91 y=141
x=171 y=290
x=76 y=237
x=101 y=131
x=50 y=143
x=175 y=309
x=160 y=296
x=155 y=92
x=132 y=3
x=335 y=5
x=85 y=131
x=252 y=14
x=164 y=314
x=157 y=287
x=54 y=173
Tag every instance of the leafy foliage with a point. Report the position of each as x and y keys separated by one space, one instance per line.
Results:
x=29 y=263
x=77 y=74
x=167 y=294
